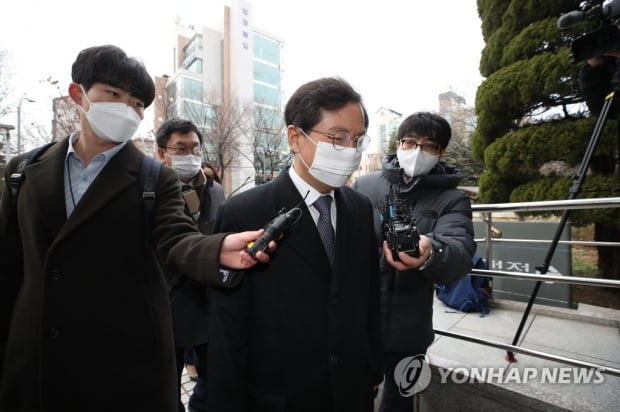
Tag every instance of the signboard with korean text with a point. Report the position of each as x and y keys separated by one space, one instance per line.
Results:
x=524 y=257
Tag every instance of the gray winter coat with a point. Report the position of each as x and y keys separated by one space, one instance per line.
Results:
x=443 y=213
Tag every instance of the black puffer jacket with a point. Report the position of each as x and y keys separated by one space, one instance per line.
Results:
x=443 y=213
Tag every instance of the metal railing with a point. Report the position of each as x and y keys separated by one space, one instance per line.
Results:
x=575 y=204
x=486 y=213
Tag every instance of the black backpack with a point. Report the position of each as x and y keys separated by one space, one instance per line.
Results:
x=149 y=176
x=15 y=180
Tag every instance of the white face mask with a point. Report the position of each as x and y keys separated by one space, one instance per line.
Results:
x=114 y=122
x=333 y=167
x=416 y=162
x=186 y=166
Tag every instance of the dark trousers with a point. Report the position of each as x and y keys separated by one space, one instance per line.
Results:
x=392 y=400
x=198 y=398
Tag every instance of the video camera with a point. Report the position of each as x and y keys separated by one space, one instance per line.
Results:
x=399 y=226
x=599 y=41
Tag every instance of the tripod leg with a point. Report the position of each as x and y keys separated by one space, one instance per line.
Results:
x=617 y=150
x=574 y=191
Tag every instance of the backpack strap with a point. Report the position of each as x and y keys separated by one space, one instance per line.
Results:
x=149 y=178
x=205 y=203
x=17 y=177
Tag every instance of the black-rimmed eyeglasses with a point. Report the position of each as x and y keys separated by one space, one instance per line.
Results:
x=430 y=148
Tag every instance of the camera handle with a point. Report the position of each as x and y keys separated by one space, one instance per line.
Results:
x=574 y=191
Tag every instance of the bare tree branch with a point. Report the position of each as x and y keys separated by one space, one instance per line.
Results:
x=234 y=132
x=223 y=127
x=65 y=120
x=35 y=135
x=268 y=140
x=5 y=81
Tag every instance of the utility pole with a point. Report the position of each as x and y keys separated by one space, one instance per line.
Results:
x=19 y=115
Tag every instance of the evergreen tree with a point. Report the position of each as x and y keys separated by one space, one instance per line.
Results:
x=533 y=127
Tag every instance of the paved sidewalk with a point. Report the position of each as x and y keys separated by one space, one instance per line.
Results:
x=187 y=385
x=589 y=334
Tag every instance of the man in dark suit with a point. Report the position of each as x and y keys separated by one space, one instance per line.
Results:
x=84 y=311
x=301 y=333
x=179 y=145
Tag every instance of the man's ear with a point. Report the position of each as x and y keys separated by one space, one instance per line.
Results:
x=76 y=93
x=161 y=154
x=293 y=138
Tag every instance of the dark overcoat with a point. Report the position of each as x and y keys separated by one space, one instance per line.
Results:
x=189 y=301
x=84 y=312
x=298 y=335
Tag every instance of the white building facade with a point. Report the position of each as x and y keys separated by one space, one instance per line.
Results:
x=220 y=77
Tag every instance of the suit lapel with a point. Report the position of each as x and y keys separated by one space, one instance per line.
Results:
x=303 y=237
x=121 y=171
x=345 y=224
x=43 y=188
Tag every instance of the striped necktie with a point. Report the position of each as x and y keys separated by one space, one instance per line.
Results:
x=324 y=225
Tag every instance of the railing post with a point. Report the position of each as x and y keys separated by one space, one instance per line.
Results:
x=488 y=219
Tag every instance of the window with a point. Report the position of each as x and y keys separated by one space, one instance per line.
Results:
x=192 y=55
x=266 y=95
x=194 y=47
x=267 y=118
x=202 y=115
x=266 y=74
x=266 y=49
x=191 y=89
x=195 y=66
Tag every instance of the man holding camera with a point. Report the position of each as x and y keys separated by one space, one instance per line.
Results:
x=426 y=186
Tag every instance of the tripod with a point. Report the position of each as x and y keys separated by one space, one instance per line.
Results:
x=574 y=191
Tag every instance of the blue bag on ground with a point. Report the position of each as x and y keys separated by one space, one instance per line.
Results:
x=470 y=293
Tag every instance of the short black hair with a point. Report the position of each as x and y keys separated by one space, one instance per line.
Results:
x=426 y=124
x=175 y=125
x=110 y=65
x=305 y=107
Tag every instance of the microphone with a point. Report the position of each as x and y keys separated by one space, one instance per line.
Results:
x=570 y=19
x=273 y=230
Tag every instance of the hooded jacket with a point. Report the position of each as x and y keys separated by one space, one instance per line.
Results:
x=443 y=213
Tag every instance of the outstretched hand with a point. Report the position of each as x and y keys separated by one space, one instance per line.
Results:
x=233 y=254
x=409 y=262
